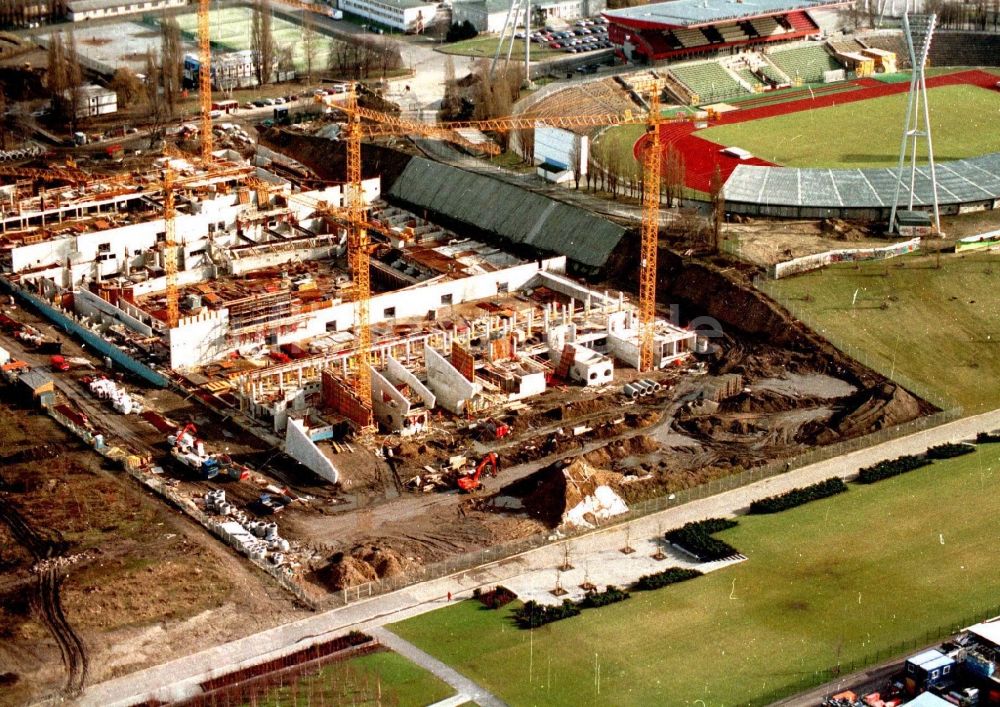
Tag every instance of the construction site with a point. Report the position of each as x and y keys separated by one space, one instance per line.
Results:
x=338 y=364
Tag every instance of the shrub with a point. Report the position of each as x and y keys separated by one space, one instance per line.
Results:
x=988 y=437
x=890 y=468
x=696 y=540
x=796 y=497
x=610 y=595
x=671 y=575
x=458 y=32
x=496 y=597
x=533 y=614
x=947 y=451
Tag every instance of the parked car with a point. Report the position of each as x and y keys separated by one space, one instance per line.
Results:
x=259 y=103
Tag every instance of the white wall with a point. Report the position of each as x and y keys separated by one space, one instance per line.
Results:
x=88 y=304
x=453 y=390
x=302 y=449
x=199 y=339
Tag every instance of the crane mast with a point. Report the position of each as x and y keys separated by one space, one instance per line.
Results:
x=650 y=236
x=170 y=247
x=205 y=80
x=357 y=252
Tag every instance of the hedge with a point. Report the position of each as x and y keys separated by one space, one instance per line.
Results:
x=494 y=598
x=948 y=451
x=890 y=468
x=696 y=539
x=671 y=575
x=533 y=614
x=798 y=496
x=611 y=595
x=988 y=437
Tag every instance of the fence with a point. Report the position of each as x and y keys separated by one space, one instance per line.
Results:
x=897 y=650
x=843 y=255
x=639 y=509
x=69 y=325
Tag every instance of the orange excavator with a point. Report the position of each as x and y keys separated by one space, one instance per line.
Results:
x=470 y=482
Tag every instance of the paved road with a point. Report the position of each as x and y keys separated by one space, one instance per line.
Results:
x=181 y=677
x=462 y=684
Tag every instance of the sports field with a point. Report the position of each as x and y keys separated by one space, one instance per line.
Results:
x=867 y=133
x=829 y=583
x=230 y=29
x=939 y=327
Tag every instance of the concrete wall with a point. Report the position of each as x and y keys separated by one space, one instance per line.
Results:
x=199 y=339
x=453 y=390
x=389 y=406
x=398 y=373
x=88 y=304
x=301 y=448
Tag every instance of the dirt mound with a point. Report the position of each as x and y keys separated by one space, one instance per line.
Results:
x=884 y=406
x=548 y=494
x=844 y=231
x=328 y=158
x=766 y=401
x=615 y=451
x=365 y=563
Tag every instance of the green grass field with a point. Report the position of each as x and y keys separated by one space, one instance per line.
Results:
x=867 y=133
x=829 y=583
x=377 y=678
x=940 y=328
x=487 y=47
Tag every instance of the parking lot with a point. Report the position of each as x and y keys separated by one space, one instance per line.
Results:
x=584 y=36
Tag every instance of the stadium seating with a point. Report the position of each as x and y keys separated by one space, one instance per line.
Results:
x=947 y=48
x=749 y=30
x=658 y=42
x=732 y=33
x=806 y=63
x=767 y=26
x=691 y=37
x=799 y=21
x=748 y=76
x=708 y=80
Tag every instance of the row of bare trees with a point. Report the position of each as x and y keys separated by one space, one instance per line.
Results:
x=65 y=78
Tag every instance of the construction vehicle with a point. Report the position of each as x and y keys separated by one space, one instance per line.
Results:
x=190 y=451
x=59 y=363
x=470 y=482
x=494 y=429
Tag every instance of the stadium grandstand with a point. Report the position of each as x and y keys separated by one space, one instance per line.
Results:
x=684 y=29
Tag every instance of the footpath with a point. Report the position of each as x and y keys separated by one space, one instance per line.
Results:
x=539 y=568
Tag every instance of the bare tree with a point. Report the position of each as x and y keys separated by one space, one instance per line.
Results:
x=718 y=200
x=127 y=85
x=575 y=159
x=308 y=44
x=171 y=62
x=673 y=175
x=155 y=103
x=262 y=41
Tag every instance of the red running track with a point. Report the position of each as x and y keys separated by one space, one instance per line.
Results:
x=701 y=156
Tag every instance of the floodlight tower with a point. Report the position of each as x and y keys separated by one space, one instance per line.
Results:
x=918 y=30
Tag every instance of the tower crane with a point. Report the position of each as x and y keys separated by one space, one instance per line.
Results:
x=205 y=79
x=383 y=124
x=170 y=247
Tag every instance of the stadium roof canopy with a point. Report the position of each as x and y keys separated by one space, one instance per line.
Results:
x=965 y=181
x=703 y=13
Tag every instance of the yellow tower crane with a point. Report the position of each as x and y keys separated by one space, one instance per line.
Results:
x=170 y=247
x=205 y=79
x=384 y=125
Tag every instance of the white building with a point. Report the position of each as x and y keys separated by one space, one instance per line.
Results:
x=230 y=70
x=404 y=15
x=95 y=100
x=486 y=16
x=80 y=10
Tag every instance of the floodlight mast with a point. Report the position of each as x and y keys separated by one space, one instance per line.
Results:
x=918 y=30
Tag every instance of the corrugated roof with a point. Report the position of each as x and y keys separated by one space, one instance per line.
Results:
x=682 y=13
x=36 y=379
x=516 y=214
x=959 y=182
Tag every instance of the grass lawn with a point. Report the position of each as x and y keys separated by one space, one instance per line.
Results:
x=867 y=133
x=377 y=678
x=827 y=583
x=487 y=47
x=940 y=328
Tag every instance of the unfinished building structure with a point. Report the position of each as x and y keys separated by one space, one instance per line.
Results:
x=267 y=313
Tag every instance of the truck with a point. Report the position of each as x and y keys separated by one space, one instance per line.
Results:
x=59 y=363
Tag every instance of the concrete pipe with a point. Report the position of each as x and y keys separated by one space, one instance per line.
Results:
x=631 y=391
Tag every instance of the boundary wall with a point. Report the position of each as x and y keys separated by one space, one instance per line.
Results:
x=846 y=255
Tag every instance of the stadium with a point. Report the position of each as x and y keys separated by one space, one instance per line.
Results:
x=801 y=116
